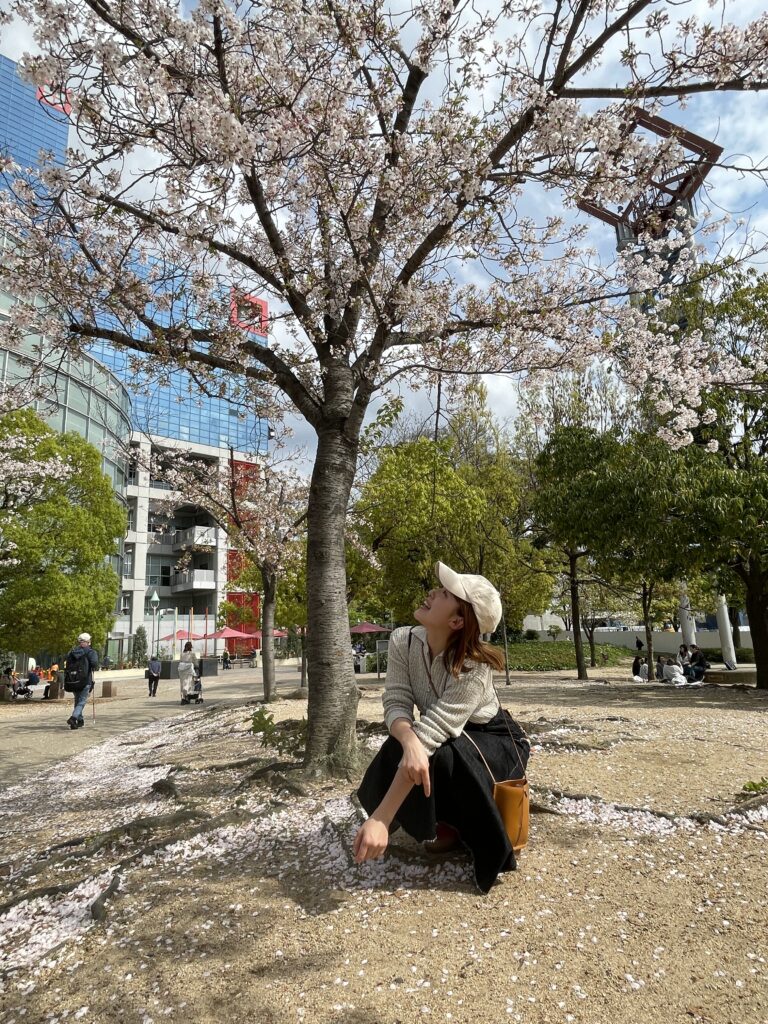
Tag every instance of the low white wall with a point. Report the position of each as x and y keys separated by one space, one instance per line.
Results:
x=663 y=643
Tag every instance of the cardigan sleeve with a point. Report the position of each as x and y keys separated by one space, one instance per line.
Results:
x=446 y=718
x=398 y=697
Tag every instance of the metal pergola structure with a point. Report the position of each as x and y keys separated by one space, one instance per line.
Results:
x=656 y=208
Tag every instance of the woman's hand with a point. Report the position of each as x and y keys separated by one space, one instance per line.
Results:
x=415 y=763
x=371 y=840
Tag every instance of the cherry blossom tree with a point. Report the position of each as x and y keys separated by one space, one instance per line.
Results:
x=262 y=508
x=400 y=181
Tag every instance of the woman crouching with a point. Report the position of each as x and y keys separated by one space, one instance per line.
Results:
x=429 y=776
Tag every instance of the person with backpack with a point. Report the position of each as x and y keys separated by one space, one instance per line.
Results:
x=153 y=674
x=82 y=661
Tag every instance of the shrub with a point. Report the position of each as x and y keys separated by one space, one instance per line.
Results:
x=744 y=656
x=531 y=634
x=370 y=662
x=285 y=737
x=554 y=656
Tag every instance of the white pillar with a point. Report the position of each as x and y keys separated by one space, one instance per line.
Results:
x=687 y=621
x=724 y=628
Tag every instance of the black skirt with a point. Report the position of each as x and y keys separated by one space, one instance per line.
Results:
x=462 y=791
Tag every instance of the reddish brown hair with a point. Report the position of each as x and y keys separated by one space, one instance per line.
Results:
x=465 y=644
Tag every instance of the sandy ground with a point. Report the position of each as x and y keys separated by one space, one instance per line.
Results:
x=256 y=912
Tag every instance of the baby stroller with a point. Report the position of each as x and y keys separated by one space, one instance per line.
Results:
x=192 y=690
x=23 y=689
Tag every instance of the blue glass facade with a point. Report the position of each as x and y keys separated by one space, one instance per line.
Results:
x=174 y=409
x=28 y=126
x=171 y=411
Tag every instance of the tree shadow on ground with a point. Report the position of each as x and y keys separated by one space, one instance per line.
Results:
x=596 y=695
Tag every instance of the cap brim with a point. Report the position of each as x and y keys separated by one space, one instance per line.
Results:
x=450 y=580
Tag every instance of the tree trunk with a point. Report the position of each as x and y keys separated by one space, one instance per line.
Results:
x=581 y=665
x=269 y=586
x=733 y=615
x=757 y=610
x=303 y=640
x=647 y=600
x=333 y=696
x=589 y=632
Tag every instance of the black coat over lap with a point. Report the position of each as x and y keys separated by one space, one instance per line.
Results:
x=462 y=791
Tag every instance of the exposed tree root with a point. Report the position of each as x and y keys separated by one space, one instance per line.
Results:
x=93 y=843
x=269 y=769
x=223 y=766
x=211 y=824
x=98 y=907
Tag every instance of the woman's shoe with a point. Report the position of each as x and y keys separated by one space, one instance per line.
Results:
x=447 y=839
x=72 y=722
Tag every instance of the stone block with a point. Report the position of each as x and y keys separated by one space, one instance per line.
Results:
x=108 y=688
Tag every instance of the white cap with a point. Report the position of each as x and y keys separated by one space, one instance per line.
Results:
x=84 y=637
x=475 y=590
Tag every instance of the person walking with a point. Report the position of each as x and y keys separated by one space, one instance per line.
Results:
x=81 y=662
x=153 y=675
x=188 y=671
x=224 y=659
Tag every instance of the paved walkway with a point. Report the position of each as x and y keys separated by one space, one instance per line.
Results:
x=34 y=733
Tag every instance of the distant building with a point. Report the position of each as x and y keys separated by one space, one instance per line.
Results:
x=103 y=398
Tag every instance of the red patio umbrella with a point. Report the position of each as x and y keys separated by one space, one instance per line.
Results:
x=228 y=634
x=369 y=627
x=182 y=634
x=275 y=632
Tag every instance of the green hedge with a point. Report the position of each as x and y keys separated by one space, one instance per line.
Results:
x=559 y=655
x=542 y=656
x=744 y=655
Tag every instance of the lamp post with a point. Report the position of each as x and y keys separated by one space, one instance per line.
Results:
x=155 y=603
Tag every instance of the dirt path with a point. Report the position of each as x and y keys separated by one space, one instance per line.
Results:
x=256 y=914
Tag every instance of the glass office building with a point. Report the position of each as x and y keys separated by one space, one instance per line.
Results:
x=31 y=123
x=28 y=126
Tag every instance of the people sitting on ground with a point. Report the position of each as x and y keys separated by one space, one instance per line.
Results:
x=661 y=661
x=643 y=673
x=435 y=776
x=699 y=663
x=684 y=660
x=636 y=668
x=673 y=673
x=53 y=673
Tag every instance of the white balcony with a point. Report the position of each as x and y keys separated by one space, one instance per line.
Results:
x=194 y=579
x=195 y=536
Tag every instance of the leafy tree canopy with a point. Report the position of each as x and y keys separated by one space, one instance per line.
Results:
x=59 y=582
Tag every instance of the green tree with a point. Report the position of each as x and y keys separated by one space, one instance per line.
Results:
x=59 y=582
x=727 y=488
x=570 y=514
x=429 y=501
x=292 y=598
x=140 y=645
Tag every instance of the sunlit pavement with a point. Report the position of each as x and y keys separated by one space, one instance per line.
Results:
x=35 y=733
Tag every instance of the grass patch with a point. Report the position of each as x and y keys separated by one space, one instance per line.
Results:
x=559 y=655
